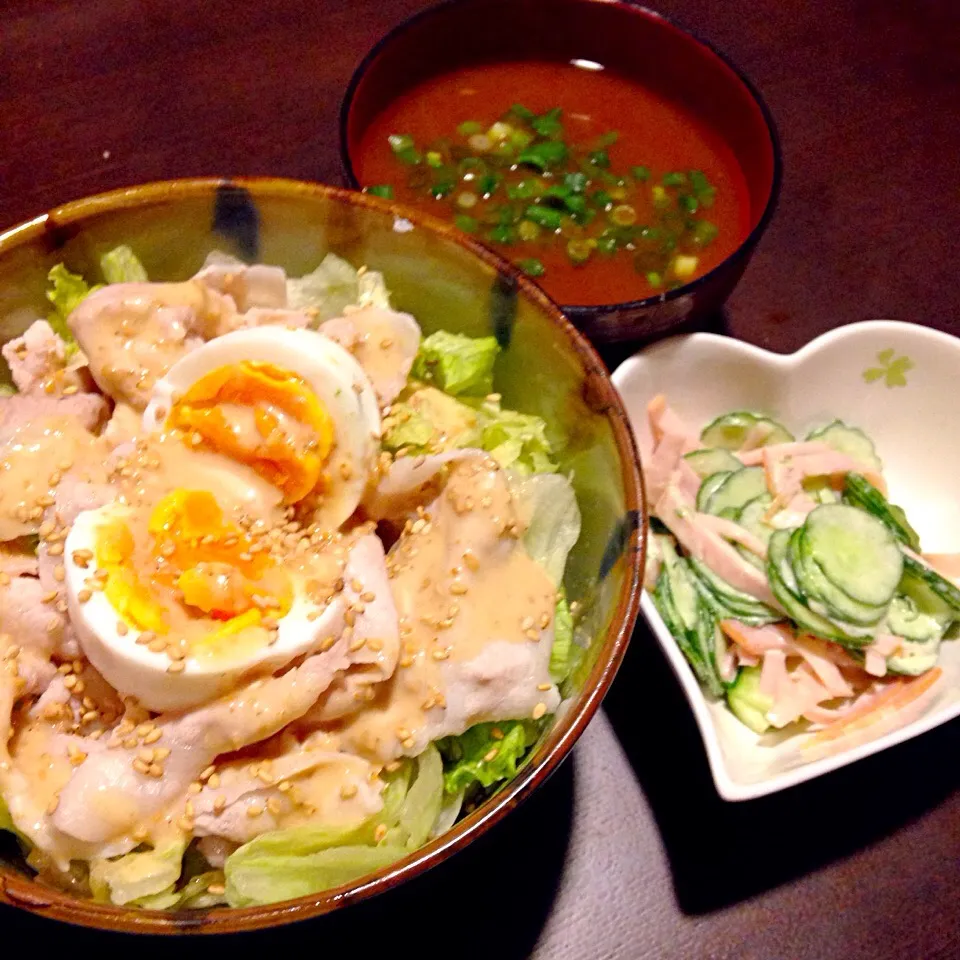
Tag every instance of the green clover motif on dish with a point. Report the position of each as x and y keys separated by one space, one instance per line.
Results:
x=890 y=368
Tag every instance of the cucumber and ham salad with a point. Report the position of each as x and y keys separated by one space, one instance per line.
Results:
x=795 y=589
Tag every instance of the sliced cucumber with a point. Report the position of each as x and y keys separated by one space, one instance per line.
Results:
x=709 y=487
x=785 y=588
x=712 y=460
x=820 y=491
x=938 y=585
x=860 y=492
x=751 y=517
x=738 y=490
x=746 y=701
x=731 y=430
x=730 y=601
x=849 y=440
x=916 y=658
x=688 y=617
x=905 y=619
x=855 y=551
x=821 y=594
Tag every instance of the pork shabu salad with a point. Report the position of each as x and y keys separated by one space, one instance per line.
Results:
x=791 y=584
x=280 y=583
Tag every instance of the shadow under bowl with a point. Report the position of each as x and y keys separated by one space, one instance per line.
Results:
x=638 y=44
x=446 y=281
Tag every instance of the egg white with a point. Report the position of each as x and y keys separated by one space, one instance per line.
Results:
x=134 y=670
x=339 y=382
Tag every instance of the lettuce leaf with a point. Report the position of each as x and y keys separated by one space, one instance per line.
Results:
x=66 y=291
x=334 y=286
x=408 y=430
x=561 y=653
x=293 y=863
x=136 y=876
x=505 y=743
x=121 y=265
x=456 y=364
x=548 y=506
x=517 y=441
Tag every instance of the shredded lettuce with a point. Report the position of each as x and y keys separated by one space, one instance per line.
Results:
x=517 y=441
x=486 y=754
x=548 y=507
x=121 y=265
x=137 y=876
x=334 y=286
x=561 y=659
x=293 y=863
x=408 y=430
x=66 y=291
x=458 y=365
x=426 y=420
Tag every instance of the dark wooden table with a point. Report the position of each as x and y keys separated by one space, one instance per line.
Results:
x=627 y=853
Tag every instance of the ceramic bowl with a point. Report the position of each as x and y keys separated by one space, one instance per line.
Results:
x=637 y=43
x=546 y=367
x=898 y=383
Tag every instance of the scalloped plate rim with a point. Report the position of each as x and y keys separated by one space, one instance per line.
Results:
x=727 y=787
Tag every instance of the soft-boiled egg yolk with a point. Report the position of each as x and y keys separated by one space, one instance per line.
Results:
x=263 y=416
x=202 y=568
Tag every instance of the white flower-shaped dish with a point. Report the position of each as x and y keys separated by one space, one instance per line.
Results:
x=896 y=381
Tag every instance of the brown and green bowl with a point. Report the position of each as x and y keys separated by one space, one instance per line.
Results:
x=446 y=281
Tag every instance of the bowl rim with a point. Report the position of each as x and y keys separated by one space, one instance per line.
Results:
x=19 y=890
x=595 y=312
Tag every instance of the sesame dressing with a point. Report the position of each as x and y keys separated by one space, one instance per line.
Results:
x=461 y=581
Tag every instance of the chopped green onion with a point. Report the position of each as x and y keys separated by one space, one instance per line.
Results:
x=404 y=149
x=576 y=182
x=579 y=251
x=607 y=245
x=599 y=158
x=503 y=234
x=654 y=279
x=602 y=199
x=469 y=127
x=704 y=233
x=575 y=203
x=465 y=223
x=702 y=188
x=556 y=192
x=607 y=139
x=640 y=174
x=675 y=179
x=532 y=267
x=442 y=188
x=548 y=124
x=519 y=110
x=528 y=230
x=688 y=203
x=380 y=190
x=488 y=183
x=543 y=156
x=546 y=217
x=434 y=159
x=524 y=190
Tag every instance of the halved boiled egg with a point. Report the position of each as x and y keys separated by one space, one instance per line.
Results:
x=174 y=602
x=291 y=404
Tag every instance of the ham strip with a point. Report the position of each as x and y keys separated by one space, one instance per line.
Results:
x=755 y=457
x=679 y=516
x=733 y=532
x=946 y=564
x=664 y=421
x=661 y=466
